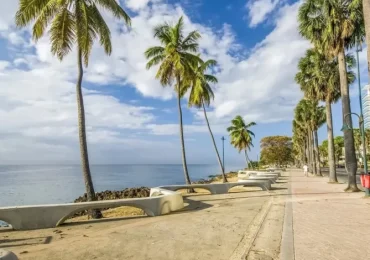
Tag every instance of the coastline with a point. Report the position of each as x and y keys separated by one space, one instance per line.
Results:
x=137 y=193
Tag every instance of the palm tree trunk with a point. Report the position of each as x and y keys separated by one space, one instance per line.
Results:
x=304 y=159
x=184 y=164
x=317 y=152
x=350 y=154
x=246 y=157
x=309 y=160
x=366 y=11
x=329 y=122
x=89 y=187
x=313 y=153
x=214 y=144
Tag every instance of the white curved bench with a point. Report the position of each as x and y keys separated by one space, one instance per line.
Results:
x=252 y=175
x=162 y=200
x=52 y=215
x=7 y=255
x=220 y=188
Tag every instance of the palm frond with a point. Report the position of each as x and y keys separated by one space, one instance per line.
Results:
x=62 y=34
x=115 y=9
x=28 y=11
x=101 y=28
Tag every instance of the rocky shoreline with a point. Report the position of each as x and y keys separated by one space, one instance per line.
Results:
x=139 y=192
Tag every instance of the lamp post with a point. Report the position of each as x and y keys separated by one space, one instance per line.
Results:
x=223 y=153
x=362 y=133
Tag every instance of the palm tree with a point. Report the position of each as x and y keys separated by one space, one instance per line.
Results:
x=69 y=23
x=201 y=95
x=241 y=136
x=303 y=120
x=318 y=77
x=176 y=59
x=299 y=142
x=334 y=26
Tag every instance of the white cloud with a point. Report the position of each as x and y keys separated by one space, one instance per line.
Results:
x=258 y=10
x=37 y=92
x=136 y=5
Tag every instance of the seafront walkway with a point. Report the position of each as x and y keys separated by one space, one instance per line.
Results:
x=301 y=218
x=323 y=222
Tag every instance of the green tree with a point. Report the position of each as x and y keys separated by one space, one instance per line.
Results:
x=338 y=147
x=324 y=148
x=201 y=95
x=357 y=138
x=69 y=23
x=299 y=143
x=309 y=116
x=334 y=26
x=319 y=79
x=241 y=136
x=276 y=150
x=176 y=58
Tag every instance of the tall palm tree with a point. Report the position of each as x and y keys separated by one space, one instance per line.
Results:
x=201 y=95
x=317 y=121
x=303 y=120
x=334 y=26
x=241 y=136
x=69 y=23
x=299 y=142
x=319 y=79
x=176 y=58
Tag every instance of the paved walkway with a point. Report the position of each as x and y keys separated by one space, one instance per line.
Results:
x=303 y=218
x=323 y=222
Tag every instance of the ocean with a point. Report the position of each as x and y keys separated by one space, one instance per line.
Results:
x=48 y=184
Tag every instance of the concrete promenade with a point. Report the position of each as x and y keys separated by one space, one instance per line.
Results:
x=326 y=222
x=301 y=218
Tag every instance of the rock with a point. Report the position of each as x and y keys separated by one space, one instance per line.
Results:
x=140 y=192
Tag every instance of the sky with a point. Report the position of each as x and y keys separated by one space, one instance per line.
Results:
x=130 y=117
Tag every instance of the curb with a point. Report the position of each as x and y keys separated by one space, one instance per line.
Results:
x=287 y=240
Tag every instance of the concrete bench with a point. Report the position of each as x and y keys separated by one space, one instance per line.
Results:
x=249 y=175
x=48 y=216
x=220 y=188
x=263 y=172
x=162 y=200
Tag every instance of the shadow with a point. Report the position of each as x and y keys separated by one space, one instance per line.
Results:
x=278 y=188
x=102 y=220
x=276 y=195
x=193 y=205
x=5 y=243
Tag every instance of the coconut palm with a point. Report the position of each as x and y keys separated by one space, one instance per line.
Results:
x=299 y=142
x=319 y=79
x=201 y=95
x=334 y=26
x=241 y=136
x=176 y=58
x=309 y=116
x=70 y=23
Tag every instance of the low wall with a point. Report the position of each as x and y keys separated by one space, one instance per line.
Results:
x=162 y=200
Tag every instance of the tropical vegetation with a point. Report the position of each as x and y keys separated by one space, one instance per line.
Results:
x=333 y=27
x=240 y=136
x=276 y=150
x=69 y=24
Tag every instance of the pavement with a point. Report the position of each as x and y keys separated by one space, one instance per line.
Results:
x=326 y=223
x=301 y=218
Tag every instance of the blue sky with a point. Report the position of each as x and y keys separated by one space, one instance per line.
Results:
x=130 y=117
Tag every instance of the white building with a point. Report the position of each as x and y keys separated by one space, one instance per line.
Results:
x=366 y=105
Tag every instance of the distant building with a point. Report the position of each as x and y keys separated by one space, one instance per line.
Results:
x=366 y=105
